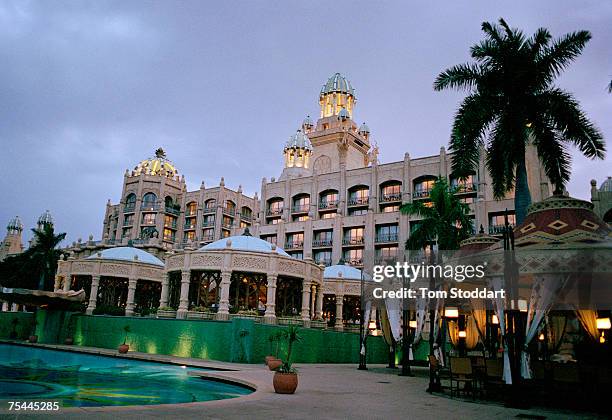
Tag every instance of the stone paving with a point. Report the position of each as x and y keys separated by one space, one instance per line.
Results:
x=324 y=392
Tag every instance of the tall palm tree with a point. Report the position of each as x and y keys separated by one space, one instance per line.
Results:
x=445 y=219
x=44 y=254
x=513 y=101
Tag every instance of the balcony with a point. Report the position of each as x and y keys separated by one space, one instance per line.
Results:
x=320 y=243
x=226 y=225
x=191 y=212
x=148 y=223
x=467 y=188
x=391 y=198
x=208 y=223
x=363 y=201
x=171 y=225
x=149 y=207
x=419 y=194
x=355 y=240
x=389 y=259
x=355 y=262
x=498 y=229
x=246 y=216
x=129 y=208
x=189 y=226
x=294 y=245
x=274 y=212
x=128 y=223
x=208 y=238
x=210 y=209
x=302 y=208
x=386 y=237
x=229 y=211
x=328 y=205
x=172 y=210
x=324 y=261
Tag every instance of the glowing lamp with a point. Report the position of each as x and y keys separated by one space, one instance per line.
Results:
x=462 y=334
x=602 y=339
x=412 y=324
x=603 y=323
x=451 y=313
x=541 y=337
x=495 y=320
x=372 y=325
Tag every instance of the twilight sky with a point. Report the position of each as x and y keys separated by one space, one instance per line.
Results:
x=88 y=89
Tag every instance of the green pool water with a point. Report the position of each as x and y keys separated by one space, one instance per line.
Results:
x=83 y=380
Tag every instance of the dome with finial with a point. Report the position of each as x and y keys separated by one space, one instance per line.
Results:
x=606 y=186
x=364 y=129
x=307 y=123
x=15 y=225
x=157 y=165
x=344 y=114
x=299 y=141
x=338 y=84
x=45 y=218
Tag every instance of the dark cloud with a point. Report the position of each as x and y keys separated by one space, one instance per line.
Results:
x=91 y=88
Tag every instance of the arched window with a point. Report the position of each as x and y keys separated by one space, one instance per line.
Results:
x=230 y=207
x=328 y=199
x=149 y=198
x=210 y=205
x=130 y=202
x=390 y=191
x=246 y=213
x=301 y=203
x=191 y=208
x=423 y=186
x=359 y=195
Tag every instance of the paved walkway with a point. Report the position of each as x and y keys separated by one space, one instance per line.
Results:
x=324 y=392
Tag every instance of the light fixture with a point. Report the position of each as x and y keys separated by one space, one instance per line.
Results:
x=372 y=325
x=541 y=337
x=462 y=334
x=412 y=324
x=494 y=320
x=603 y=323
x=602 y=339
x=451 y=312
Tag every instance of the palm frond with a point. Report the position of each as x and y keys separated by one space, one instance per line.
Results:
x=461 y=76
x=552 y=154
x=556 y=57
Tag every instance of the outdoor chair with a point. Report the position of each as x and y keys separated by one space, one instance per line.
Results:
x=441 y=372
x=494 y=371
x=461 y=373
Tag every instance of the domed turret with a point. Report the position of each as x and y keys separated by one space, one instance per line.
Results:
x=337 y=94
x=364 y=130
x=298 y=141
x=158 y=165
x=343 y=115
x=45 y=219
x=606 y=186
x=297 y=151
x=307 y=124
x=14 y=225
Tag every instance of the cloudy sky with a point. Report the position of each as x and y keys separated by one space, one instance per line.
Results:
x=88 y=89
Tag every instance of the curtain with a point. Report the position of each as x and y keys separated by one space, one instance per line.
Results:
x=453 y=332
x=556 y=324
x=498 y=304
x=438 y=352
x=543 y=295
x=479 y=314
x=472 y=334
x=385 y=327
x=588 y=320
x=394 y=314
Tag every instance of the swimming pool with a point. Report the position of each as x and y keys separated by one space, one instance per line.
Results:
x=83 y=380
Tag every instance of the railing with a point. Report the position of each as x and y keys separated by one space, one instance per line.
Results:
x=294 y=245
x=208 y=238
x=386 y=198
x=357 y=262
x=303 y=208
x=189 y=226
x=229 y=211
x=359 y=201
x=170 y=225
x=148 y=223
x=465 y=188
x=227 y=225
x=149 y=207
x=210 y=209
x=274 y=212
x=421 y=193
x=498 y=229
x=385 y=260
x=357 y=240
x=318 y=243
x=128 y=223
x=246 y=216
x=208 y=223
x=325 y=261
x=169 y=238
x=191 y=213
x=129 y=208
x=328 y=205
x=172 y=210
x=386 y=237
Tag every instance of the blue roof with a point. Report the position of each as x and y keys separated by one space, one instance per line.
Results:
x=244 y=243
x=343 y=271
x=127 y=253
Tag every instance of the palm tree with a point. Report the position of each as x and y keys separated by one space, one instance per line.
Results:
x=513 y=101
x=445 y=219
x=44 y=254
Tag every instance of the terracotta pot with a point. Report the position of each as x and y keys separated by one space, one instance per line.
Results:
x=274 y=364
x=285 y=383
x=268 y=358
x=69 y=341
x=123 y=348
x=33 y=338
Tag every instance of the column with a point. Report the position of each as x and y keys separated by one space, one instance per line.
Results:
x=56 y=283
x=93 y=295
x=5 y=307
x=163 y=299
x=313 y=297
x=129 y=306
x=319 y=307
x=270 y=315
x=306 y=303
x=184 y=299
x=67 y=282
x=223 y=311
x=339 y=306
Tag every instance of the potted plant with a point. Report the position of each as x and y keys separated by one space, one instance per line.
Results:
x=33 y=338
x=123 y=348
x=166 y=312
x=247 y=313
x=273 y=361
x=199 y=312
x=285 y=378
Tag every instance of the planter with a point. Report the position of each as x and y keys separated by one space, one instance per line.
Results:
x=123 y=348
x=69 y=341
x=166 y=314
x=274 y=363
x=33 y=338
x=318 y=324
x=285 y=320
x=199 y=315
x=285 y=383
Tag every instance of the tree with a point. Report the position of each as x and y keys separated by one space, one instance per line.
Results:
x=512 y=102
x=445 y=219
x=35 y=268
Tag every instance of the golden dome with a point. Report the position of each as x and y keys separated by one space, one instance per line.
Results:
x=158 y=165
